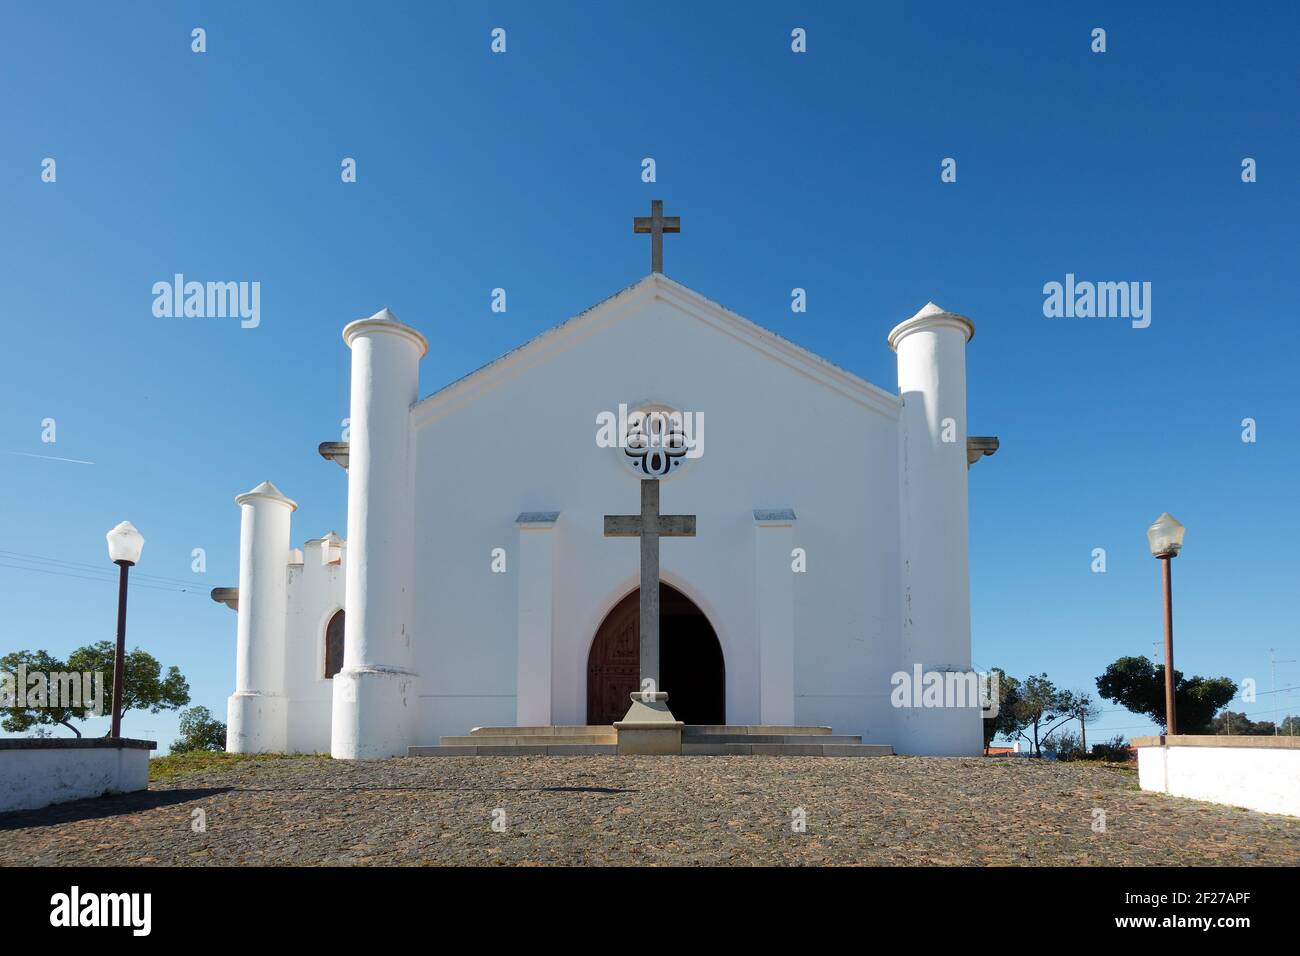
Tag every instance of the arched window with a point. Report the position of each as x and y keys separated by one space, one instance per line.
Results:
x=334 y=645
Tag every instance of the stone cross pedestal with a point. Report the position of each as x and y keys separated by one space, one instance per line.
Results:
x=649 y=726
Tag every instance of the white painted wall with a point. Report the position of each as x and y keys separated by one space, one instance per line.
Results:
x=522 y=438
x=783 y=430
x=774 y=579
x=535 y=569
x=35 y=778
x=1257 y=778
x=315 y=594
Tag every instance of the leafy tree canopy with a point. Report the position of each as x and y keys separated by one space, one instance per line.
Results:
x=27 y=718
x=1138 y=685
x=199 y=731
x=145 y=687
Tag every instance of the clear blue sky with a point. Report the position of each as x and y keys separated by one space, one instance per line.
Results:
x=522 y=170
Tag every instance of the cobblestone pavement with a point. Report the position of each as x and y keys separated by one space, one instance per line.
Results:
x=649 y=810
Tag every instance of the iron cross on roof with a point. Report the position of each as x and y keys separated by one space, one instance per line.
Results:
x=657 y=224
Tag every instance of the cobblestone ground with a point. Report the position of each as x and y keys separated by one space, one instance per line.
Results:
x=649 y=810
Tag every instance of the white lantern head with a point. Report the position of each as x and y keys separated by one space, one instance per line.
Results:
x=125 y=544
x=1166 y=536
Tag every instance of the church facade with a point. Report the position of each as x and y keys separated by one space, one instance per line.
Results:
x=477 y=583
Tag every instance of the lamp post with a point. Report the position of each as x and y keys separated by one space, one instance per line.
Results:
x=124 y=547
x=1166 y=539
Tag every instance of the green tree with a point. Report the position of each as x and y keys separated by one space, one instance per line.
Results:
x=1238 y=724
x=1066 y=742
x=1115 y=749
x=1138 y=684
x=1006 y=722
x=145 y=686
x=19 y=720
x=1041 y=708
x=199 y=731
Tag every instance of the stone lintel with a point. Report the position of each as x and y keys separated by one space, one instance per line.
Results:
x=774 y=517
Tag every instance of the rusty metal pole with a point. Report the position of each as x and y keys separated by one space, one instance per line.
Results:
x=119 y=662
x=1170 y=714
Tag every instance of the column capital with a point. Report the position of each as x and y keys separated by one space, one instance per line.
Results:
x=266 y=492
x=931 y=316
x=384 y=321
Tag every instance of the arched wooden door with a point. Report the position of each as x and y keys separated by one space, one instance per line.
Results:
x=690 y=663
x=614 y=662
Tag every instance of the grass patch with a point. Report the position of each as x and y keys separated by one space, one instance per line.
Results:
x=179 y=765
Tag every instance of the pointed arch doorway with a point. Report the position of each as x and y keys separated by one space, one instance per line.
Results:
x=691 y=666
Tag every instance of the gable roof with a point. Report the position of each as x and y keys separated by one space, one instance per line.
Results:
x=617 y=307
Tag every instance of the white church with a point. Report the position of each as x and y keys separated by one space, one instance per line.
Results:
x=813 y=542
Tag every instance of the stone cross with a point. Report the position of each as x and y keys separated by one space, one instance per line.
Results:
x=657 y=224
x=650 y=526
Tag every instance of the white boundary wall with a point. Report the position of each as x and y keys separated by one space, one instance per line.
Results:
x=1258 y=773
x=35 y=774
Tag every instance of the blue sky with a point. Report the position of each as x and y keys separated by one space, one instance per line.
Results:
x=522 y=170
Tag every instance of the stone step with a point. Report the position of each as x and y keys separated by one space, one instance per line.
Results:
x=515 y=750
x=557 y=730
x=689 y=749
x=812 y=739
x=538 y=740
x=780 y=730
x=692 y=749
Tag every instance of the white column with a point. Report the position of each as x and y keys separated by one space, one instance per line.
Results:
x=536 y=589
x=374 y=693
x=931 y=349
x=256 y=712
x=774 y=587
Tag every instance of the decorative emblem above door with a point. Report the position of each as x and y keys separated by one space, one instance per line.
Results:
x=655 y=443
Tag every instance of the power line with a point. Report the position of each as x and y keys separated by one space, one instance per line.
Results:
x=95 y=568
x=187 y=589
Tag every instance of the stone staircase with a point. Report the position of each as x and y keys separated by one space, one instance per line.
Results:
x=704 y=740
x=701 y=740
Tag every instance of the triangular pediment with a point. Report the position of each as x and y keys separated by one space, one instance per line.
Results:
x=628 y=302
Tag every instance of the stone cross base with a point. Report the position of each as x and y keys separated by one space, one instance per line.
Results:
x=649 y=727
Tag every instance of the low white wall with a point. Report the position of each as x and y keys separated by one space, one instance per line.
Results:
x=1258 y=773
x=36 y=773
